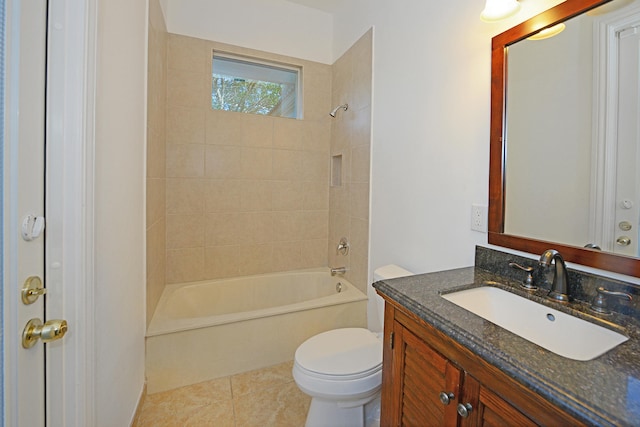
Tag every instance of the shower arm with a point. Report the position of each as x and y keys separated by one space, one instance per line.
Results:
x=333 y=112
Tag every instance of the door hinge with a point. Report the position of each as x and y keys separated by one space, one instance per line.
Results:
x=392 y=335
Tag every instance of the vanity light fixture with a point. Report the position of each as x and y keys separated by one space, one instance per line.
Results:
x=496 y=10
x=545 y=33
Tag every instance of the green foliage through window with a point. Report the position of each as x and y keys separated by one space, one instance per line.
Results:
x=247 y=87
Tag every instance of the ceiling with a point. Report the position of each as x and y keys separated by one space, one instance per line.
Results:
x=329 y=6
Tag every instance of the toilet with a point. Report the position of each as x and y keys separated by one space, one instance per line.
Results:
x=341 y=370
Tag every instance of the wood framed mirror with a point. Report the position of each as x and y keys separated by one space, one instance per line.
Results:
x=573 y=252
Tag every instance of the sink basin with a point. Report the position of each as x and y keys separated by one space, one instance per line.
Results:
x=561 y=333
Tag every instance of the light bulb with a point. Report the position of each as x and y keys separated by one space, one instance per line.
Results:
x=495 y=10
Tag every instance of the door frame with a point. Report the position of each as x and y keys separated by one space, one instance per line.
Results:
x=71 y=83
x=604 y=131
x=71 y=363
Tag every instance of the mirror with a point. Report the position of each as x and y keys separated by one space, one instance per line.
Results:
x=559 y=175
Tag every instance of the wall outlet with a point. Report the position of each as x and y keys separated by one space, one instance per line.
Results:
x=479 y=215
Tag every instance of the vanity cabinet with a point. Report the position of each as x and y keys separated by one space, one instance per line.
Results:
x=427 y=375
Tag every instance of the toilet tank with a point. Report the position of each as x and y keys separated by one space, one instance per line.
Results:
x=390 y=271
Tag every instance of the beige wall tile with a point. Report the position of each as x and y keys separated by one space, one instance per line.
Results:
x=287 y=165
x=318 y=135
x=360 y=200
x=339 y=199
x=224 y=128
x=185 y=161
x=256 y=259
x=223 y=195
x=361 y=127
x=288 y=134
x=314 y=224
x=185 y=265
x=185 y=196
x=358 y=272
x=359 y=237
x=360 y=159
x=255 y=195
x=314 y=253
x=317 y=91
x=287 y=195
x=316 y=196
x=228 y=229
x=350 y=136
x=189 y=54
x=256 y=163
x=155 y=200
x=188 y=89
x=155 y=286
x=257 y=131
x=315 y=167
x=156 y=154
x=262 y=227
x=264 y=187
x=286 y=226
x=222 y=261
x=361 y=64
x=156 y=246
x=287 y=256
x=185 y=231
x=185 y=125
x=223 y=162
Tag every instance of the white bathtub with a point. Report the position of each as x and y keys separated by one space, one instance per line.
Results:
x=216 y=328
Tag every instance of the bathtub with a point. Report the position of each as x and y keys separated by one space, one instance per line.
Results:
x=216 y=328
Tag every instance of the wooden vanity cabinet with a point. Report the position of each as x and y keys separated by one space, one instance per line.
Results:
x=423 y=369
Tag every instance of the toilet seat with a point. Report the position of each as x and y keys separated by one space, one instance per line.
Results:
x=340 y=354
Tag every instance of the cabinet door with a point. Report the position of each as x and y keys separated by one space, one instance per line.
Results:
x=421 y=375
x=489 y=409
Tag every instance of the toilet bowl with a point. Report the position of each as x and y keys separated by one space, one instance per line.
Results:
x=341 y=370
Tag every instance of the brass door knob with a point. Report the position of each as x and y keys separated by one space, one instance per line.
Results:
x=623 y=241
x=50 y=331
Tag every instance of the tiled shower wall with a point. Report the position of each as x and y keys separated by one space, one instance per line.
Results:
x=351 y=139
x=156 y=107
x=245 y=194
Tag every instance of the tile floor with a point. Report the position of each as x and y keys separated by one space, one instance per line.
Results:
x=261 y=398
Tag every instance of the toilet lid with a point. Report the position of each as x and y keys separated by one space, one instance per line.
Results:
x=345 y=351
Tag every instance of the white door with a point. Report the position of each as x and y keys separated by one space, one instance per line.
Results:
x=627 y=213
x=24 y=200
x=25 y=277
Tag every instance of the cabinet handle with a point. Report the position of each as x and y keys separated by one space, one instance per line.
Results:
x=446 y=398
x=464 y=410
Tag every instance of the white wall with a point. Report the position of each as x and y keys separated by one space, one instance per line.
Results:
x=275 y=26
x=119 y=208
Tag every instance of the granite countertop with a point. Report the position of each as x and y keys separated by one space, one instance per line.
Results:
x=602 y=391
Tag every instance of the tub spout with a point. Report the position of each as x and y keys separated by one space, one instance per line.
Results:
x=338 y=270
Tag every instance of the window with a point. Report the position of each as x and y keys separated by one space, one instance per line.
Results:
x=247 y=86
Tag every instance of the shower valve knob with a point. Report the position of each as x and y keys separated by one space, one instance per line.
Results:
x=343 y=247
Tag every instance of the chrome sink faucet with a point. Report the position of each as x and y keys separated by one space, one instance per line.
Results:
x=560 y=285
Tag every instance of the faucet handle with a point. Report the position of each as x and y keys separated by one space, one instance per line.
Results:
x=528 y=282
x=599 y=304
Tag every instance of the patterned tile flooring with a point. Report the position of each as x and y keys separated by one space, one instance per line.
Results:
x=262 y=398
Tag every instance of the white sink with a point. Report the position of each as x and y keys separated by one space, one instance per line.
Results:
x=563 y=334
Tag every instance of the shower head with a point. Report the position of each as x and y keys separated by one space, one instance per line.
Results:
x=335 y=110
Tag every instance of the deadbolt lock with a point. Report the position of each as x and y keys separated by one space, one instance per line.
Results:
x=50 y=331
x=32 y=289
